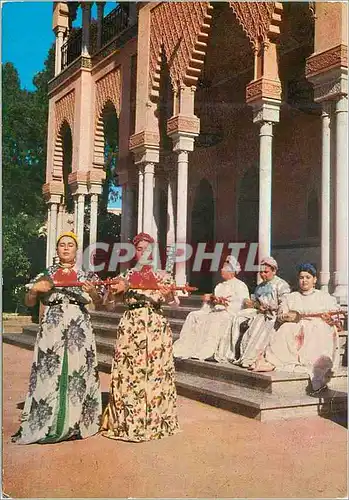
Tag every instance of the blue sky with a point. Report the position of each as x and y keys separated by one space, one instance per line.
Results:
x=27 y=48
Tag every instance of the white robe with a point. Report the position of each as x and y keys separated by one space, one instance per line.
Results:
x=207 y=333
x=300 y=347
x=256 y=338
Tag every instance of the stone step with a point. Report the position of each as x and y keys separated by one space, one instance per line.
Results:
x=249 y=402
x=276 y=382
x=252 y=402
x=180 y=312
x=13 y=323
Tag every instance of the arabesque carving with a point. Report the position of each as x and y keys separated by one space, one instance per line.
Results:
x=64 y=110
x=334 y=57
x=181 y=30
x=259 y=20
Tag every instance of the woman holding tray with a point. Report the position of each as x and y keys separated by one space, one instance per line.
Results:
x=142 y=397
x=64 y=399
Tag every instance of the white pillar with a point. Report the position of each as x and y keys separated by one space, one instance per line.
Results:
x=182 y=207
x=86 y=21
x=148 y=198
x=325 y=197
x=75 y=197
x=58 y=51
x=140 y=198
x=265 y=189
x=341 y=263
x=60 y=217
x=80 y=222
x=156 y=212
x=53 y=233
x=100 y=14
x=93 y=218
x=48 y=232
x=171 y=228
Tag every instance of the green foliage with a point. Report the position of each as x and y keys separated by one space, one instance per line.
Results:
x=24 y=130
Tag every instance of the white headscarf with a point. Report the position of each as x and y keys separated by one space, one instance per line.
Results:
x=270 y=261
x=231 y=264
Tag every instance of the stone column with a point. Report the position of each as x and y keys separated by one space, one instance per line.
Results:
x=265 y=113
x=148 y=198
x=140 y=198
x=341 y=262
x=93 y=218
x=53 y=232
x=86 y=21
x=59 y=31
x=60 y=219
x=100 y=14
x=80 y=221
x=325 y=196
x=156 y=212
x=48 y=232
x=75 y=198
x=182 y=208
x=171 y=209
x=265 y=188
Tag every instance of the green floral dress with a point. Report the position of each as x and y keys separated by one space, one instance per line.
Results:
x=64 y=399
x=142 y=398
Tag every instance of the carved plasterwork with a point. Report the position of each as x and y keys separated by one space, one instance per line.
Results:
x=263 y=88
x=108 y=88
x=64 y=110
x=143 y=140
x=184 y=124
x=259 y=20
x=335 y=57
x=181 y=30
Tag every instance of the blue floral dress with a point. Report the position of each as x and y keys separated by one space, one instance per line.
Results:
x=64 y=398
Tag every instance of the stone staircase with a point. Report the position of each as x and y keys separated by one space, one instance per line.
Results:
x=263 y=396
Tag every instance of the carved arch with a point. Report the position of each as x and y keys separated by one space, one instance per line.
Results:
x=64 y=111
x=108 y=91
x=180 y=30
x=58 y=155
x=259 y=20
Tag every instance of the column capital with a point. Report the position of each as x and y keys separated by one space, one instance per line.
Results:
x=52 y=189
x=149 y=168
x=263 y=90
x=78 y=182
x=266 y=112
x=188 y=125
x=145 y=146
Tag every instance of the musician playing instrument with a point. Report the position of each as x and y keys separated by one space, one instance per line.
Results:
x=64 y=400
x=307 y=341
x=209 y=333
x=142 y=396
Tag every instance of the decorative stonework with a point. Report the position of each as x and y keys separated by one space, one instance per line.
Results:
x=143 y=140
x=335 y=57
x=64 y=111
x=108 y=88
x=183 y=124
x=78 y=180
x=53 y=188
x=263 y=88
x=259 y=20
x=181 y=30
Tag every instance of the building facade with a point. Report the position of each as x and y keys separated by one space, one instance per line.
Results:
x=231 y=127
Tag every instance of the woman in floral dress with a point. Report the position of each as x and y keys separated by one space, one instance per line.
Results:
x=64 y=399
x=142 y=398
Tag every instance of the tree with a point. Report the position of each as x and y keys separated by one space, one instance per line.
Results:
x=24 y=159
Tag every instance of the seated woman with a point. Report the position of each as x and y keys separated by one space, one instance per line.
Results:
x=64 y=399
x=305 y=344
x=207 y=333
x=265 y=302
x=142 y=395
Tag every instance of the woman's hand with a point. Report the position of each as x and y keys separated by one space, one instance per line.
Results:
x=42 y=286
x=165 y=291
x=117 y=287
x=249 y=303
x=207 y=297
x=89 y=288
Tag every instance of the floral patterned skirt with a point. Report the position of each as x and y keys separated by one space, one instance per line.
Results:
x=64 y=399
x=142 y=398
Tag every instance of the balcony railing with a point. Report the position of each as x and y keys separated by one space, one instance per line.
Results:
x=71 y=49
x=114 y=23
